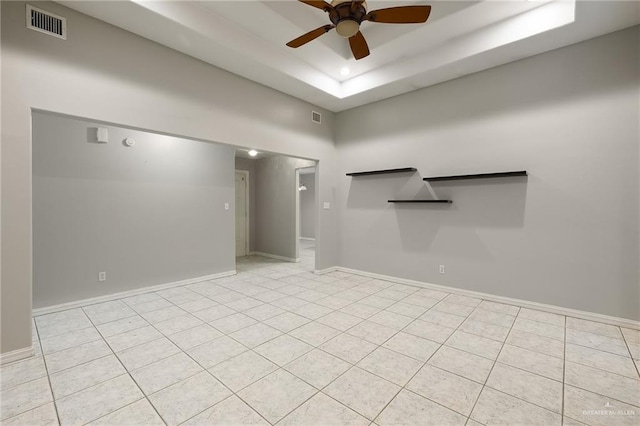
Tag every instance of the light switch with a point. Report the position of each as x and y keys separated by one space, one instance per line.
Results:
x=102 y=135
x=226 y=206
x=326 y=205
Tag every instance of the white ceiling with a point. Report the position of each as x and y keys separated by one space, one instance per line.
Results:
x=248 y=38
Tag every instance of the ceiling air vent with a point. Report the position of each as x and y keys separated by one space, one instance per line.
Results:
x=316 y=117
x=46 y=22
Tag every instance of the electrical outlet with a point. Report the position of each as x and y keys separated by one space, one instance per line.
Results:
x=442 y=269
x=102 y=276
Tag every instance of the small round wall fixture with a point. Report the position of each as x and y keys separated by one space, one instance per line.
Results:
x=252 y=152
x=128 y=142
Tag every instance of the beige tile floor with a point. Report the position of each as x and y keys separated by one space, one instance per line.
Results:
x=277 y=344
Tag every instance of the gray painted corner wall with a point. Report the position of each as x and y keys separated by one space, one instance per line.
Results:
x=308 y=206
x=567 y=235
x=276 y=204
x=249 y=165
x=146 y=215
x=105 y=73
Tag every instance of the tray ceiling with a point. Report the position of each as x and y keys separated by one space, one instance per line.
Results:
x=461 y=37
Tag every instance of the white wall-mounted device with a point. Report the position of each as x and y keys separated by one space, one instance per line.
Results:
x=129 y=142
x=102 y=135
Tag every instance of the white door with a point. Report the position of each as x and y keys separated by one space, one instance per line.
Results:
x=241 y=214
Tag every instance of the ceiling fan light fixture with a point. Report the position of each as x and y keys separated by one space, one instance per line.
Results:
x=347 y=28
x=346 y=16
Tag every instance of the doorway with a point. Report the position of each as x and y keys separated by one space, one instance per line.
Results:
x=306 y=214
x=273 y=197
x=242 y=213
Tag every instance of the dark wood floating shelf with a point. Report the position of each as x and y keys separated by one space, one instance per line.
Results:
x=384 y=172
x=476 y=176
x=421 y=201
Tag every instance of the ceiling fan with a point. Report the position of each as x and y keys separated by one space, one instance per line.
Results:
x=347 y=15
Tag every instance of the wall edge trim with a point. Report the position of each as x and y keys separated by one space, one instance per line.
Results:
x=326 y=270
x=576 y=313
x=275 y=256
x=108 y=297
x=16 y=355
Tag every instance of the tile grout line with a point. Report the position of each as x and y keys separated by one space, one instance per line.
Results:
x=318 y=348
x=563 y=383
x=492 y=367
x=32 y=409
x=493 y=361
x=128 y=373
x=418 y=370
x=424 y=364
x=214 y=377
x=342 y=332
x=635 y=364
x=477 y=307
x=283 y=366
x=597 y=349
x=66 y=332
x=124 y=406
x=380 y=310
x=395 y=302
x=46 y=368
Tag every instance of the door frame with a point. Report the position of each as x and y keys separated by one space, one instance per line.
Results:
x=297 y=207
x=248 y=212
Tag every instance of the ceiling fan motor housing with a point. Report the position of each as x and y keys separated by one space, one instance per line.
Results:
x=347 y=16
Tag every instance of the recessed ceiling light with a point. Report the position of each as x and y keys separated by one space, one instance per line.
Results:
x=345 y=71
x=253 y=152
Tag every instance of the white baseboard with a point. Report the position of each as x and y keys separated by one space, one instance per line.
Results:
x=325 y=271
x=592 y=316
x=16 y=355
x=307 y=238
x=622 y=322
x=123 y=294
x=274 y=256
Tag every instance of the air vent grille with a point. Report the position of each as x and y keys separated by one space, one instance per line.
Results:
x=46 y=22
x=316 y=117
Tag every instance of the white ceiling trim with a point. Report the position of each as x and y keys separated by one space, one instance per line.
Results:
x=247 y=38
x=536 y=21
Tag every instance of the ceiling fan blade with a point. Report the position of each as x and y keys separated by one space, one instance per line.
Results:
x=311 y=35
x=359 y=46
x=320 y=4
x=399 y=15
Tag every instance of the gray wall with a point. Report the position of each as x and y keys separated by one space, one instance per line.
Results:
x=276 y=205
x=249 y=165
x=104 y=73
x=308 y=206
x=150 y=214
x=567 y=235
x=569 y=116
